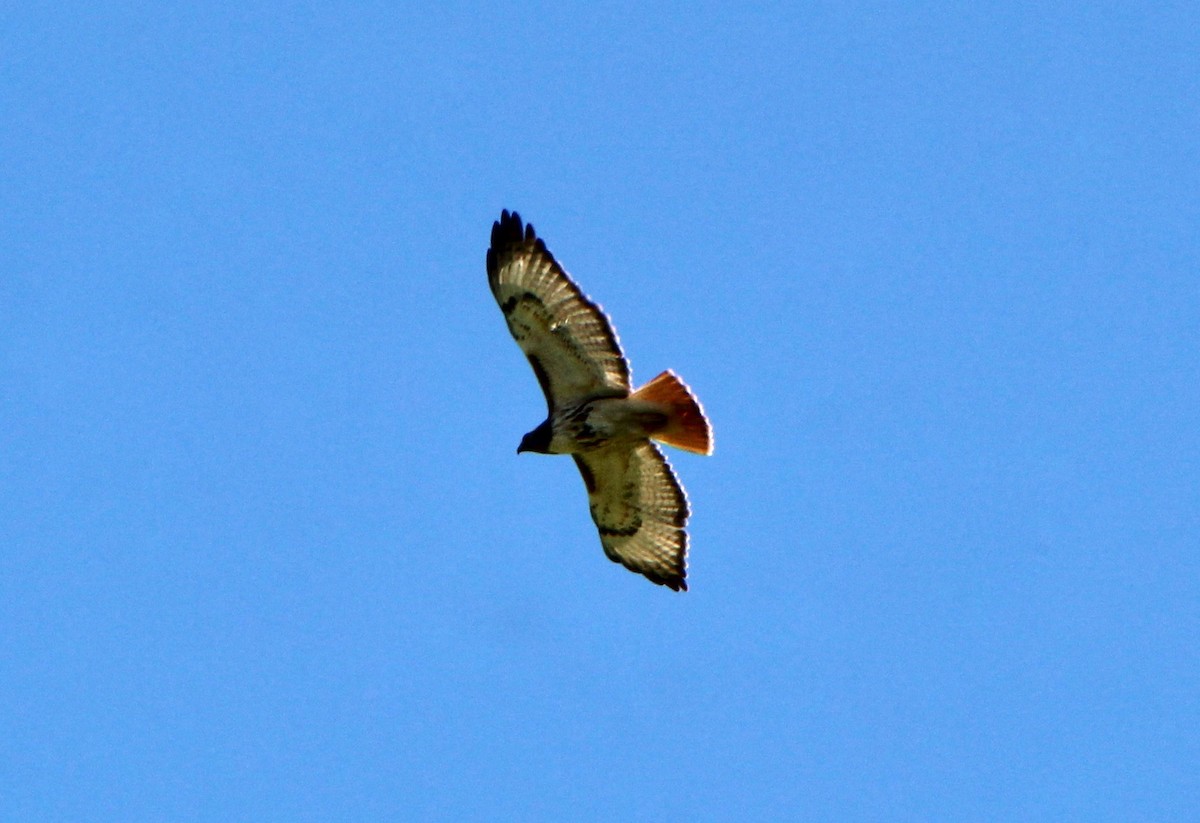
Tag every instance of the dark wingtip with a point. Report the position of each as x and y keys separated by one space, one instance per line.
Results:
x=509 y=231
x=502 y=229
x=675 y=584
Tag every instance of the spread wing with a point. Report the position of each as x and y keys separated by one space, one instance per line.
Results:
x=640 y=509
x=568 y=340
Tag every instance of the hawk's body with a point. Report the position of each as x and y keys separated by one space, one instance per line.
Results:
x=636 y=502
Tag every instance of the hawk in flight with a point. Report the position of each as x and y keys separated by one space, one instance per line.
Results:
x=594 y=415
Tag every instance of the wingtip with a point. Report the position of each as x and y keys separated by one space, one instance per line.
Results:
x=674 y=582
x=510 y=230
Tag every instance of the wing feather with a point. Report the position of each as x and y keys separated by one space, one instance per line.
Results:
x=640 y=509
x=569 y=341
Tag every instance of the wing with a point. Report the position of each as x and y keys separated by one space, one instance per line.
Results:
x=640 y=509
x=568 y=340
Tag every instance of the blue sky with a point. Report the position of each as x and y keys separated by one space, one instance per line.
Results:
x=267 y=551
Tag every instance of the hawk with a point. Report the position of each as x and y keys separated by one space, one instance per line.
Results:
x=593 y=414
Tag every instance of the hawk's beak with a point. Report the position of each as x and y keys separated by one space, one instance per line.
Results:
x=537 y=440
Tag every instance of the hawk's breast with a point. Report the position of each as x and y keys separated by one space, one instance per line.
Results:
x=600 y=422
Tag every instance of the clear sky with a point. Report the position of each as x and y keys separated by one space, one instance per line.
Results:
x=267 y=551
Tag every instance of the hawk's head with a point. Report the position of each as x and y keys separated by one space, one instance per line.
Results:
x=537 y=440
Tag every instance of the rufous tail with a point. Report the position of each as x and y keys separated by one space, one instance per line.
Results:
x=687 y=427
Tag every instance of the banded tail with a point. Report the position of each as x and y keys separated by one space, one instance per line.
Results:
x=687 y=427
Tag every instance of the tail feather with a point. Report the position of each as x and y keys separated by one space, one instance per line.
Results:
x=687 y=427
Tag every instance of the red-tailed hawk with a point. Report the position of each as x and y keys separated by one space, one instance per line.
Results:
x=593 y=415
